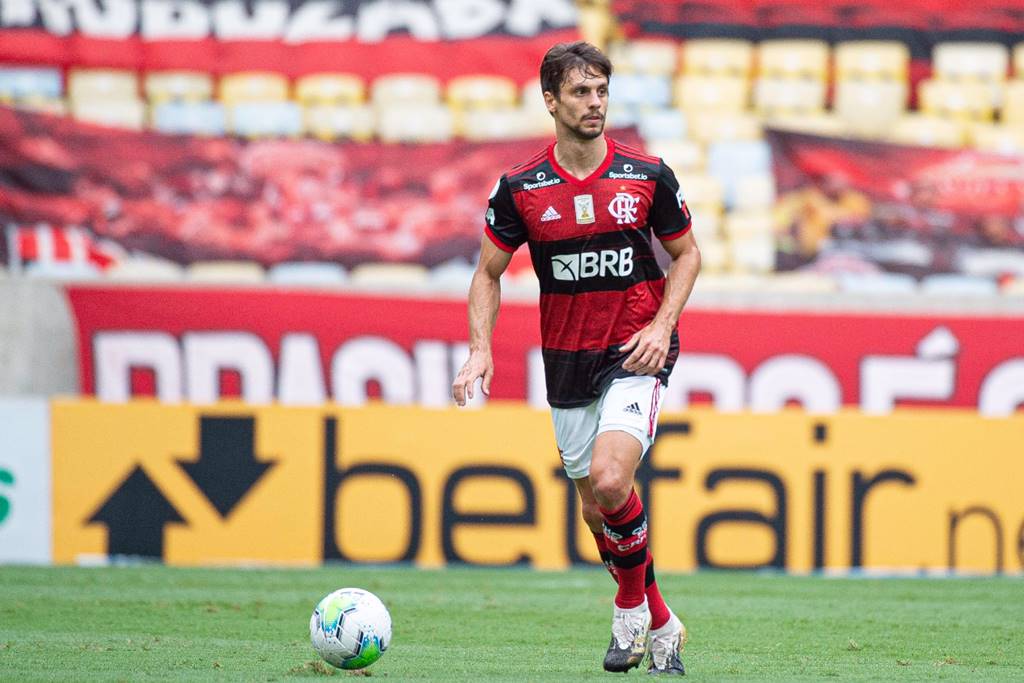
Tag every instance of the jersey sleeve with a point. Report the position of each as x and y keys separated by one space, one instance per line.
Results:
x=669 y=216
x=504 y=225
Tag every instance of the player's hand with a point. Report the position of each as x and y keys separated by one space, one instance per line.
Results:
x=649 y=348
x=479 y=364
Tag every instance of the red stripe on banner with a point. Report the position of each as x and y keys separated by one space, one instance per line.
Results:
x=28 y=245
x=61 y=245
x=517 y=58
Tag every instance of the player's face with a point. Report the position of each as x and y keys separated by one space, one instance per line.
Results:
x=582 y=104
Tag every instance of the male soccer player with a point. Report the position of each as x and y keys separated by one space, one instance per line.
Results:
x=587 y=206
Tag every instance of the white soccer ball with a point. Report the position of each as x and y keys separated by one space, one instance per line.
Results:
x=350 y=628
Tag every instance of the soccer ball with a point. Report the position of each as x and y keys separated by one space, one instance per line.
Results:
x=350 y=628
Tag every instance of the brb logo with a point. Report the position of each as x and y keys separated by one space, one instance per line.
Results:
x=623 y=208
x=573 y=267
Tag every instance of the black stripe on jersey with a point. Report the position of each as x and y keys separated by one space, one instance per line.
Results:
x=602 y=262
x=535 y=177
x=577 y=378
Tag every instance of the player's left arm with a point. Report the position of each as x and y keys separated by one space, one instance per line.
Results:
x=670 y=219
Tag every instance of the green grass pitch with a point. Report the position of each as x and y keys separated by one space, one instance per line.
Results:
x=155 y=623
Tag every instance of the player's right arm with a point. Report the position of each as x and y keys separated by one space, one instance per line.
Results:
x=484 y=300
x=504 y=233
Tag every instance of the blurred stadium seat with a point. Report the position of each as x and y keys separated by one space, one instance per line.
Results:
x=1013 y=104
x=197 y=118
x=680 y=155
x=454 y=275
x=641 y=90
x=811 y=123
x=146 y=269
x=662 y=124
x=120 y=113
x=971 y=61
x=718 y=57
x=992 y=263
x=337 y=121
x=729 y=161
x=242 y=272
x=252 y=86
x=307 y=273
x=265 y=119
x=754 y=191
x=494 y=124
x=177 y=86
x=389 y=275
x=330 y=89
x=962 y=101
x=781 y=96
x=999 y=138
x=102 y=84
x=645 y=57
x=703 y=193
x=399 y=89
x=870 y=107
x=928 y=131
x=793 y=60
x=415 y=123
x=877 y=283
x=481 y=92
x=711 y=92
x=955 y=284
x=871 y=60
x=21 y=84
x=709 y=127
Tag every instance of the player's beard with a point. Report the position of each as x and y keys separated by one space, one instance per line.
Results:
x=582 y=133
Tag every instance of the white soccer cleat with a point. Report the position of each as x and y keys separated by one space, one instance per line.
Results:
x=630 y=630
x=666 y=647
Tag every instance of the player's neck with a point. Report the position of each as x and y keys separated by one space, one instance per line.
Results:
x=580 y=157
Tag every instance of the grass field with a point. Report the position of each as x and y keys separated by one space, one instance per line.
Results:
x=156 y=623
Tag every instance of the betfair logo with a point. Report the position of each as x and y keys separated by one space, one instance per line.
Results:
x=573 y=267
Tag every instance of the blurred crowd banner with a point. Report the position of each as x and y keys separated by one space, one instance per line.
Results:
x=918 y=23
x=191 y=198
x=234 y=483
x=366 y=37
x=869 y=206
x=305 y=348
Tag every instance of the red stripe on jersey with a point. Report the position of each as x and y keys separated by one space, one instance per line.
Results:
x=675 y=235
x=497 y=240
x=597 y=320
x=608 y=158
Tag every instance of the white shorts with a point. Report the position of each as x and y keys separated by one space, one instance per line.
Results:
x=629 y=404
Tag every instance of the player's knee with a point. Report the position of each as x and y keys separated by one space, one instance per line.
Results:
x=611 y=487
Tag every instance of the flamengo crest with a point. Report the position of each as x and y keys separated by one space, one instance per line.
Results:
x=623 y=208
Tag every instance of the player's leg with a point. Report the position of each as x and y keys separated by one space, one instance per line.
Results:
x=595 y=522
x=628 y=420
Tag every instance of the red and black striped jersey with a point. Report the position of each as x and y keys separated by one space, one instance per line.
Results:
x=590 y=243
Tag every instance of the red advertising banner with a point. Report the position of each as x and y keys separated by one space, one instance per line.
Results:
x=190 y=198
x=916 y=210
x=307 y=348
x=294 y=37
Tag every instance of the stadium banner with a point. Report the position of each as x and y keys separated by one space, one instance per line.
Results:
x=445 y=38
x=234 y=483
x=879 y=206
x=305 y=348
x=189 y=198
x=25 y=520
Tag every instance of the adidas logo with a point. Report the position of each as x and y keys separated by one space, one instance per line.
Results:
x=632 y=409
x=550 y=215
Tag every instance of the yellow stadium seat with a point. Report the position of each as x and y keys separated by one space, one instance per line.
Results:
x=966 y=101
x=718 y=57
x=970 y=61
x=993 y=137
x=871 y=60
x=1018 y=61
x=869 y=107
x=253 y=86
x=118 y=113
x=225 y=272
x=755 y=192
x=384 y=275
x=184 y=86
x=335 y=121
x=680 y=155
x=396 y=89
x=703 y=193
x=330 y=89
x=645 y=57
x=927 y=131
x=482 y=92
x=95 y=84
x=714 y=254
x=596 y=22
x=494 y=124
x=41 y=106
x=805 y=59
x=753 y=254
x=773 y=96
x=708 y=127
x=1013 y=103
x=415 y=123
x=747 y=223
x=729 y=93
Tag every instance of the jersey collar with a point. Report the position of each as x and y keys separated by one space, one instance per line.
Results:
x=568 y=177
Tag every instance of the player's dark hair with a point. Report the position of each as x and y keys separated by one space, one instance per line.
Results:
x=564 y=58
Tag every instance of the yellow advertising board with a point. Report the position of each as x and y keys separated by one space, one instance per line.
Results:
x=916 y=490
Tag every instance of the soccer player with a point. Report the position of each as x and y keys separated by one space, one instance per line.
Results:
x=587 y=206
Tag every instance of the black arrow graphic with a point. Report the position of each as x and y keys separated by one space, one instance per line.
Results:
x=135 y=516
x=227 y=467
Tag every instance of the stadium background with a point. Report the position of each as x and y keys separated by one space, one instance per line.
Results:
x=238 y=239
